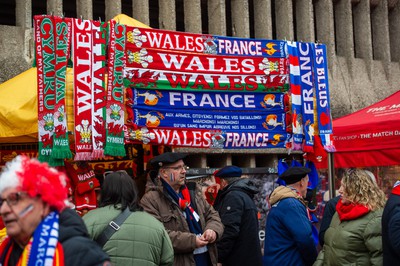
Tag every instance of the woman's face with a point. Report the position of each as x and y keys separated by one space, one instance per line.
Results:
x=343 y=194
x=21 y=214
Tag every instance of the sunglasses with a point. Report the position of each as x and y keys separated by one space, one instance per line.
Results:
x=177 y=168
x=12 y=199
x=105 y=174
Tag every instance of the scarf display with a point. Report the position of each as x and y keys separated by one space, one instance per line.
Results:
x=98 y=88
x=62 y=37
x=43 y=248
x=350 y=211
x=45 y=63
x=115 y=91
x=83 y=65
x=183 y=201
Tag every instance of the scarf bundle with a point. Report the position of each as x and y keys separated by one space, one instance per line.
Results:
x=83 y=65
x=62 y=36
x=183 y=200
x=350 y=211
x=98 y=88
x=115 y=91
x=45 y=63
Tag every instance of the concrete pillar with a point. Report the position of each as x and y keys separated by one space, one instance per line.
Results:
x=262 y=19
x=325 y=26
x=55 y=7
x=394 y=33
x=240 y=18
x=84 y=8
x=362 y=30
x=113 y=8
x=140 y=11
x=192 y=15
x=23 y=13
x=380 y=31
x=216 y=17
x=284 y=20
x=167 y=14
x=344 y=30
x=305 y=21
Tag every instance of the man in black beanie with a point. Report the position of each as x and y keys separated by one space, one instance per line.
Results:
x=240 y=244
x=192 y=224
x=288 y=233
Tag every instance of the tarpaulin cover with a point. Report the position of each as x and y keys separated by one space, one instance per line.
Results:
x=369 y=137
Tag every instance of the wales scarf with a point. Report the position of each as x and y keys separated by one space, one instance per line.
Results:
x=82 y=61
x=115 y=91
x=62 y=38
x=98 y=88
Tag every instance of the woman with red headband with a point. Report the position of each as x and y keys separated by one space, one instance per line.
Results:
x=41 y=230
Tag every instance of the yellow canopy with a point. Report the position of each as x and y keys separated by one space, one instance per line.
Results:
x=18 y=101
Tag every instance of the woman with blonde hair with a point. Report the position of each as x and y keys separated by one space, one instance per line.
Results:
x=354 y=235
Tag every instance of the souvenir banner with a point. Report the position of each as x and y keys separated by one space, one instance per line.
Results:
x=204 y=63
x=83 y=65
x=208 y=100
x=98 y=88
x=295 y=94
x=322 y=96
x=115 y=91
x=206 y=119
x=203 y=43
x=62 y=41
x=203 y=138
x=191 y=81
x=306 y=60
x=45 y=63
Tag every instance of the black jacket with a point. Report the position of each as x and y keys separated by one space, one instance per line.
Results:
x=329 y=211
x=240 y=243
x=391 y=231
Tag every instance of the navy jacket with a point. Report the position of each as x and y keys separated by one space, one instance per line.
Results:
x=391 y=231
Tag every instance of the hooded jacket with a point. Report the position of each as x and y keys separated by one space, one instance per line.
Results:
x=238 y=213
x=288 y=233
x=158 y=203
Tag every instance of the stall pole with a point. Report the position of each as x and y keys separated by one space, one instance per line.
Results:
x=331 y=176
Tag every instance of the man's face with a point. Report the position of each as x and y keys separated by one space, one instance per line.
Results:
x=304 y=186
x=21 y=214
x=174 y=174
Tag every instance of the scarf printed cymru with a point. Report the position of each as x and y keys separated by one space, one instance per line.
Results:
x=45 y=62
x=98 y=88
x=83 y=65
x=115 y=91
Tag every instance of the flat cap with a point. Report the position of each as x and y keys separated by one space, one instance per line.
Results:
x=228 y=171
x=166 y=158
x=294 y=174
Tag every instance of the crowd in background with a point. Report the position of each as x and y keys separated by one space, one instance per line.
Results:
x=175 y=223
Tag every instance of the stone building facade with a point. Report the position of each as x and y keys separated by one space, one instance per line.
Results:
x=362 y=37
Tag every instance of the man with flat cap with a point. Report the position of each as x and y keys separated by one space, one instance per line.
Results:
x=192 y=224
x=240 y=244
x=288 y=233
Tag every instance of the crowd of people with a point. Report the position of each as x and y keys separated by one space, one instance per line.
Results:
x=174 y=224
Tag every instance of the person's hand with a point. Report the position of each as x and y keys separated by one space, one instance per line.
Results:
x=210 y=236
x=201 y=241
x=219 y=264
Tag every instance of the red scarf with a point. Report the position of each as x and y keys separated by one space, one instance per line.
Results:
x=350 y=211
x=396 y=188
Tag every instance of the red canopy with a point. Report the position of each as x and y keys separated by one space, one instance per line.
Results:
x=370 y=136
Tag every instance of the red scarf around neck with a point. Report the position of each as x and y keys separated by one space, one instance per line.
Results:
x=350 y=211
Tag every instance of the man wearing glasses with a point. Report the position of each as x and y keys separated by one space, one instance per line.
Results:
x=192 y=224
